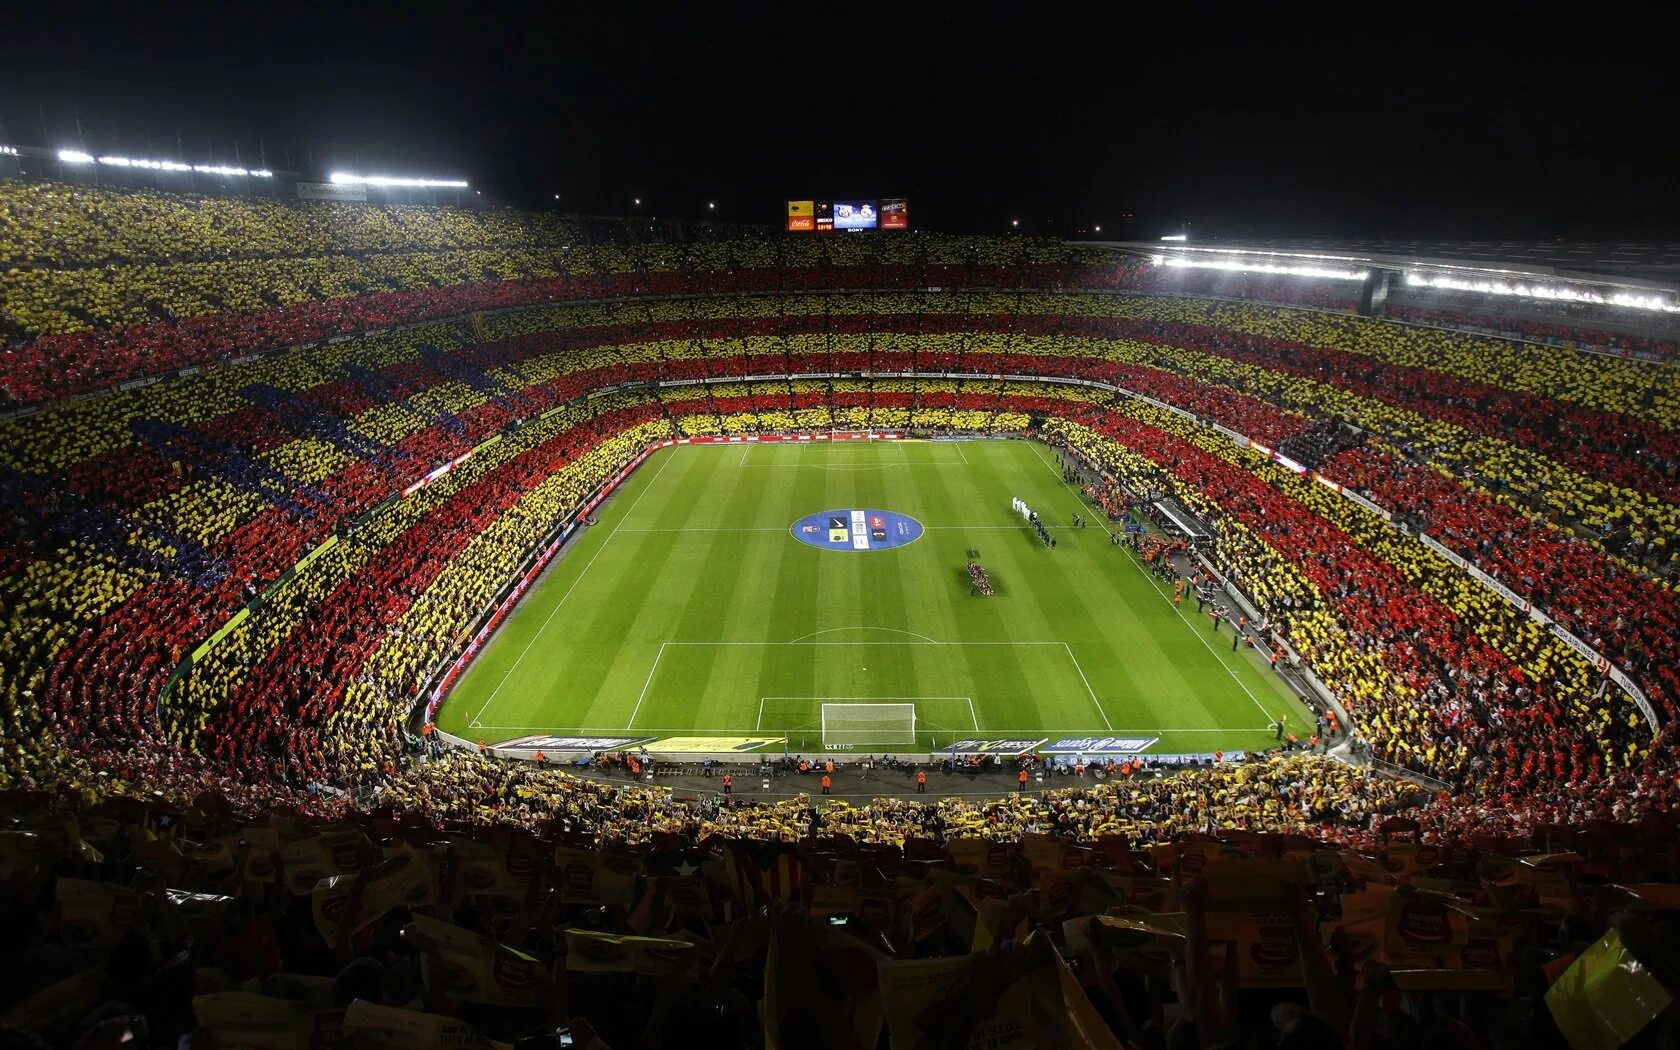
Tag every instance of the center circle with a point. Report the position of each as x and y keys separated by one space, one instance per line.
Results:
x=857 y=530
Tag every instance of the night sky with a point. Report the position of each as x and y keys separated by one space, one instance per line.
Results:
x=1451 y=123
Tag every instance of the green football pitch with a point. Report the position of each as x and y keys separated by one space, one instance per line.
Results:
x=694 y=608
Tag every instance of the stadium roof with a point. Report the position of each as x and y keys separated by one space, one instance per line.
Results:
x=1654 y=267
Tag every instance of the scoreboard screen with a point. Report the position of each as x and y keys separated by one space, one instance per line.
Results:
x=888 y=213
x=856 y=215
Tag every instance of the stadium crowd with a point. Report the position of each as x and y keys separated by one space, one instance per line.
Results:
x=1284 y=901
x=228 y=591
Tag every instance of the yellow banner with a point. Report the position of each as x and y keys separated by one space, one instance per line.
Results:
x=476 y=969
x=396 y=1029
x=402 y=880
x=588 y=877
x=1016 y=1000
x=590 y=952
x=260 y=1022
x=1605 y=997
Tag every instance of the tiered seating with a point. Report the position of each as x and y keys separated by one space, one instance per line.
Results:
x=149 y=518
x=274 y=505
x=1563 y=333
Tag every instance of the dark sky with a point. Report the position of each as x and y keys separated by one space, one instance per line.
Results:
x=1239 y=120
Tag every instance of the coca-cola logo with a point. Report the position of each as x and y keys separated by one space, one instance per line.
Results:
x=1276 y=947
x=1482 y=953
x=997 y=856
x=1424 y=923
x=514 y=973
x=346 y=856
x=578 y=876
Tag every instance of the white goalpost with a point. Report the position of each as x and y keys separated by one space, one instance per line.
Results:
x=869 y=725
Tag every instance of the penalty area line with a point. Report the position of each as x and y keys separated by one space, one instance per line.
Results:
x=1092 y=692
x=649 y=681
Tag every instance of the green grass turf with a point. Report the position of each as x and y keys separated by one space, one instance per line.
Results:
x=690 y=609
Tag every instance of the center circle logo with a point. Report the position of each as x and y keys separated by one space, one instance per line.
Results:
x=857 y=530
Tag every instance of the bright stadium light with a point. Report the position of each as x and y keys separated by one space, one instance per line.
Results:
x=1324 y=272
x=1014 y=222
x=175 y=165
x=345 y=179
x=76 y=156
x=711 y=204
x=1556 y=293
x=1176 y=237
x=1097 y=228
x=8 y=151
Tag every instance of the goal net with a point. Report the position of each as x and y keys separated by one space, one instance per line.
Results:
x=869 y=725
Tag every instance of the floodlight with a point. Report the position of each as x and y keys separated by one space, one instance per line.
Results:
x=1176 y=237
x=1558 y=293
x=1324 y=272
x=75 y=156
x=175 y=165
x=344 y=178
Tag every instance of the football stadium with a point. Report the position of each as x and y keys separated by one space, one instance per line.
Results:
x=443 y=609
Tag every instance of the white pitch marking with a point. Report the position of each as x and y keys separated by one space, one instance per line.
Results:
x=1088 y=688
x=639 y=696
x=1096 y=516
x=1217 y=655
x=894 y=630
x=598 y=552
